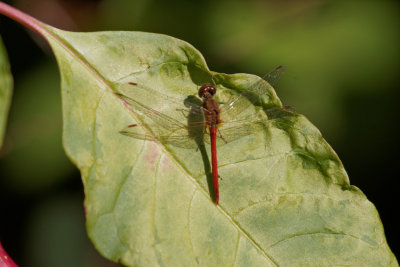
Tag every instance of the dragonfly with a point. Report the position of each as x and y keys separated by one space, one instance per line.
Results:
x=207 y=120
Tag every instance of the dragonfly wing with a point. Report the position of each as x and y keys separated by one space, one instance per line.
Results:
x=280 y=112
x=239 y=128
x=178 y=138
x=157 y=117
x=228 y=134
x=144 y=94
x=252 y=96
x=275 y=75
x=161 y=127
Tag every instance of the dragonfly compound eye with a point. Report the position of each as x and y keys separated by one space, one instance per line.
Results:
x=207 y=88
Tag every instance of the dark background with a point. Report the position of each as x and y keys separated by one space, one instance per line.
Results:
x=343 y=60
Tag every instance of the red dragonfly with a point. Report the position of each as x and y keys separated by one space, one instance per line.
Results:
x=232 y=121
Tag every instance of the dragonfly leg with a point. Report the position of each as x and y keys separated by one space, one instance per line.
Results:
x=186 y=112
x=212 y=79
x=183 y=111
x=220 y=135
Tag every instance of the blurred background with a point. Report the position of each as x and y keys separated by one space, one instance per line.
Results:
x=343 y=60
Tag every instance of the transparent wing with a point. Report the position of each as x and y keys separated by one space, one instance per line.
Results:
x=191 y=136
x=275 y=75
x=182 y=132
x=168 y=112
x=179 y=138
x=237 y=129
x=189 y=129
x=158 y=118
x=144 y=94
x=260 y=89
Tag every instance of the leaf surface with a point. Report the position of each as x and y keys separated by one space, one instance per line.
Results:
x=6 y=85
x=285 y=198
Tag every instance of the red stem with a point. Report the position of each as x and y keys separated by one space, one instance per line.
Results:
x=5 y=260
x=214 y=162
x=22 y=18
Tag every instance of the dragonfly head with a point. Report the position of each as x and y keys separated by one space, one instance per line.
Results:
x=207 y=91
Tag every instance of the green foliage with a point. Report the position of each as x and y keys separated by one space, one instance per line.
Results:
x=6 y=86
x=285 y=196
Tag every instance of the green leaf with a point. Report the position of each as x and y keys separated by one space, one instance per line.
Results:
x=6 y=85
x=285 y=198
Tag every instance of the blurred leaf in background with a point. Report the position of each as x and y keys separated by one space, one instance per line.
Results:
x=5 y=90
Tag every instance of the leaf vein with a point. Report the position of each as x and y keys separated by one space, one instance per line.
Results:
x=155 y=233
x=236 y=249
x=248 y=236
x=189 y=222
x=302 y=194
x=253 y=159
x=124 y=180
x=318 y=233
